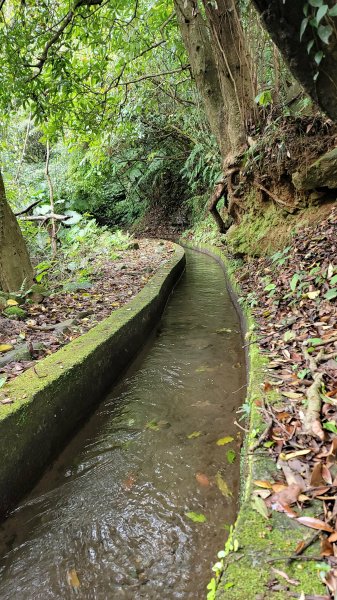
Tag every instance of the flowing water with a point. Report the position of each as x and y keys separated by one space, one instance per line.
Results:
x=108 y=519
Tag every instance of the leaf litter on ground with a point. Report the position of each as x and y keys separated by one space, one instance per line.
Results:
x=295 y=310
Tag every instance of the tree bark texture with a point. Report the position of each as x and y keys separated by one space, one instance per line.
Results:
x=15 y=265
x=204 y=68
x=235 y=69
x=282 y=19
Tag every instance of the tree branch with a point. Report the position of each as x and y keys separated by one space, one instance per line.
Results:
x=65 y=22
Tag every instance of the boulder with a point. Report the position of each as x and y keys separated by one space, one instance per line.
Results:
x=321 y=173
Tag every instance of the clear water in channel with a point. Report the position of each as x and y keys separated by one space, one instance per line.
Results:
x=113 y=505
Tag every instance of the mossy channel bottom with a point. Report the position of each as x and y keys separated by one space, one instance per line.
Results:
x=113 y=505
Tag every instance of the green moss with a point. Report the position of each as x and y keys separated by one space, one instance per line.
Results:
x=14 y=312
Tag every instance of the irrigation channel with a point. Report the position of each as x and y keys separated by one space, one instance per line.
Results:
x=108 y=519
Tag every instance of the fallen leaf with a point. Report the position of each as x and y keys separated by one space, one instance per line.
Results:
x=194 y=434
x=290 y=455
x=285 y=576
x=264 y=484
x=11 y=302
x=196 y=517
x=202 y=479
x=5 y=347
x=260 y=506
x=326 y=547
x=225 y=440
x=231 y=456
x=316 y=478
x=222 y=485
x=315 y=524
x=72 y=578
x=333 y=537
x=292 y=395
x=288 y=496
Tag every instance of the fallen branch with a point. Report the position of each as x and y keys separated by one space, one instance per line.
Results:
x=28 y=208
x=312 y=418
x=45 y=217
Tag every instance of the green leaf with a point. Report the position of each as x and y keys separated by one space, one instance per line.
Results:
x=318 y=57
x=196 y=517
x=310 y=45
x=294 y=281
x=303 y=26
x=331 y=294
x=316 y=3
x=321 y=12
x=332 y=12
x=330 y=426
x=333 y=279
x=231 y=456
x=225 y=440
x=3 y=381
x=194 y=434
x=315 y=341
x=269 y=287
x=289 y=335
x=324 y=32
x=303 y=373
x=259 y=505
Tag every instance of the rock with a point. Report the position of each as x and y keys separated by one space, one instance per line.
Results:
x=321 y=173
x=15 y=312
x=20 y=352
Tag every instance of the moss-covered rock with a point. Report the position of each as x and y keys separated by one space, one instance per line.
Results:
x=321 y=173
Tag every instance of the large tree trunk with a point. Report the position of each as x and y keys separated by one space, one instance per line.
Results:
x=235 y=69
x=283 y=19
x=221 y=66
x=204 y=68
x=15 y=266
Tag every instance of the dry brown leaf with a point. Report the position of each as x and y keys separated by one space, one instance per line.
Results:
x=326 y=547
x=315 y=524
x=278 y=487
x=285 y=576
x=316 y=478
x=333 y=537
x=202 y=479
x=288 y=496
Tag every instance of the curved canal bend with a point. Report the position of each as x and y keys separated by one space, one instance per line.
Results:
x=113 y=505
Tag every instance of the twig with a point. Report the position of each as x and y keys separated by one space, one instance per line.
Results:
x=240 y=426
x=288 y=559
x=263 y=435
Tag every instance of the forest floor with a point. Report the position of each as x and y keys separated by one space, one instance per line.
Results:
x=41 y=326
x=292 y=296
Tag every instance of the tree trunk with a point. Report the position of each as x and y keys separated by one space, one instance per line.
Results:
x=204 y=68
x=283 y=19
x=15 y=266
x=221 y=66
x=52 y=228
x=235 y=70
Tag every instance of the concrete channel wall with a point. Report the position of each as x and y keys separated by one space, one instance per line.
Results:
x=51 y=399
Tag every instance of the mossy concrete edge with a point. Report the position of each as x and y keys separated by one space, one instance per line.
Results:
x=247 y=573
x=52 y=398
